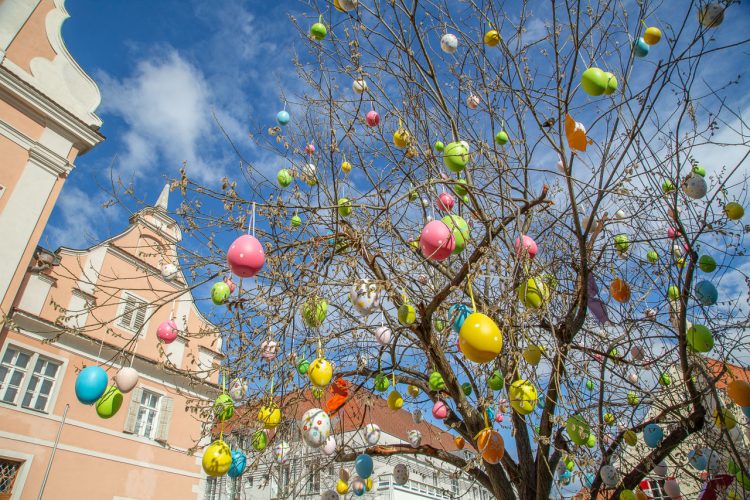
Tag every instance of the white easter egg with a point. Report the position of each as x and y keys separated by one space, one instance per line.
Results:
x=610 y=476
x=672 y=488
x=126 y=379
x=695 y=186
x=281 y=452
x=660 y=469
x=365 y=297
x=415 y=438
x=449 y=43
x=329 y=495
x=632 y=378
x=372 y=434
x=383 y=335
x=620 y=214
x=315 y=427
x=348 y=5
x=169 y=271
x=400 y=474
x=359 y=86
x=329 y=448
x=417 y=416
x=238 y=388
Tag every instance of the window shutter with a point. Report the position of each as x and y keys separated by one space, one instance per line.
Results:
x=127 y=314
x=165 y=418
x=135 y=404
x=140 y=316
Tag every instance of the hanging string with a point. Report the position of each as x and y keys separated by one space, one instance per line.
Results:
x=471 y=293
x=320 y=347
x=270 y=394
x=252 y=221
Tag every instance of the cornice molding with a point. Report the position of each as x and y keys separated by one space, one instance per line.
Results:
x=38 y=153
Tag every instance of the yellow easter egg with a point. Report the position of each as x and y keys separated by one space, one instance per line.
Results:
x=533 y=354
x=401 y=138
x=346 y=167
x=368 y=483
x=269 y=416
x=320 y=372
x=342 y=487
x=652 y=35
x=729 y=420
x=523 y=396
x=217 y=458
x=492 y=38
x=413 y=391
x=533 y=293
x=480 y=339
x=395 y=401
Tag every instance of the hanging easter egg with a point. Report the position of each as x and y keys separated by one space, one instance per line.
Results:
x=259 y=440
x=667 y=186
x=344 y=207
x=466 y=388
x=418 y=416
x=110 y=402
x=126 y=379
x=633 y=378
x=734 y=210
x=653 y=435
x=672 y=488
x=700 y=338
x=578 y=430
x=359 y=86
x=365 y=297
x=619 y=290
x=346 y=167
x=315 y=427
x=269 y=415
x=401 y=138
x=224 y=407
x=329 y=494
x=533 y=293
x=239 y=462
x=706 y=293
x=329 y=447
x=707 y=264
x=440 y=410
x=724 y=419
x=296 y=220
x=318 y=31
x=372 y=434
x=611 y=80
x=622 y=243
x=445 y=202
x=590 y=385
x=245 y=256
x=665 y=379
x=633 y=399
x=480 y=339
x=523 y=396
x=652 y=35
x=364 y=465
x=395 y=401
x=407 y=315
x=436 y=382
x=697 y=460
x=609 y=418
x=238 y=388
x=496 y=382
x=282 y=117
x=314 y=312
x=383 y=335
x=414 y=437
x=372 y=118
x=533 y=354
x=413 y=391
x=501 y=138
x=472 y=102
x=281 y=452
x=492 y=38
x=382 y=383
x=348 y=5
x=459 y=313
x=169 y=271
x=320 y=372
x=695 y=186
x=220 y=293
x=610 y=476
x=309 y=170
x=460 y=230
x=640 y=48
x=449 y=43
x=217 y=459
x=268 y=349
x=525 y=245
x=491 y=445
x=594 y=81
x=91 y=383
x=711 y=15
x=437 y=241
x=628 y=495
x=342 y=487
x=167 y=331
x=400 y=474
x=630 y=437
x=284 y=177
x=660 y=469
x=456 y=156
x=739 y=392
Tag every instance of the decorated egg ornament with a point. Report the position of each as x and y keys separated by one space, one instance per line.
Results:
x=320 y=372
x=395 y=401
x=711 y=15
x=480 y=338
x=167 y=331
x=456 y=156
x=282 y=117
x=491 y=445
x=372 y=434
x=245 y=256
x=217 y=459
x=578 y=430
x=440 y=410
x=492 y=38
x=91 y=383
x=523 y=396
x=449 y=43
x=110 y=402
x=652 y=35
x=284 y=177
x=239 y=462
x=359 y=86
x=594 y=81
x=653 y=435
x=400 y=474
x=224 y=407
x=460 y=230
x=445 y=202
x=706 y=293
x=220 y=293
x=437 y=241
x=318 y=30
x=525 y=245
x=315 y=427
x=641 y=48
x=372 y=118
x=270 y=416
x=126 y=379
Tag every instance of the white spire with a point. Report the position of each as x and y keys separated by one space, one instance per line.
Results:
x=163 y=200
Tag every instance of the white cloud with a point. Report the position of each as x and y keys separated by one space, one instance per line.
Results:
x=80 y=217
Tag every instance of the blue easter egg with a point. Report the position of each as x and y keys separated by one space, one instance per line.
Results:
x=91 y=384
x=698 y=460
x=460 y=312
x=239 y=462
x=490 y=414
x=566 y=475
x=282 y=117
x=588 y=480
x=641 y=48
x=653 y=435
x=706 y=293
x=364 y=465
x=746 y=411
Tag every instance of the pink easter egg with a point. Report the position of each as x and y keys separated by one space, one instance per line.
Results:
x=437 y=241
x=383 y=335
x=230 y=284
x=673 y=233
x=440 y=410
x=167 y=331
x=525 y=244
x=245 y=257
x=499 y=418
x=310 y=148
x=268 y=349
x=445 y=202
x=373 y=118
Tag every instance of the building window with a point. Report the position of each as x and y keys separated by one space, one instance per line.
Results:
x=148 y=414
x=38 y=383
x=8 y=473
x=313 y=477
x=133 y=314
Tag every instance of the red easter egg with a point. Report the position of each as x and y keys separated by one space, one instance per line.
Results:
x=230 y=284
x=499 y=418
x=437 y=241
x=167 y=331
x=245 y=257
x=525 y=244
x=310 y=149
x=440 y=410
x=445 y=202
x=673 y=233
x=373 y=118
